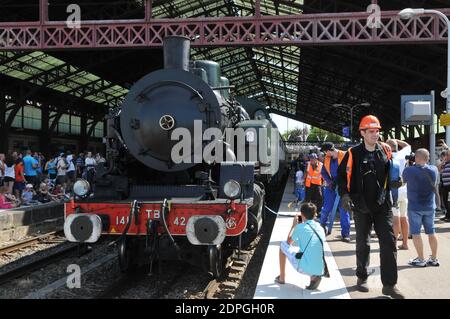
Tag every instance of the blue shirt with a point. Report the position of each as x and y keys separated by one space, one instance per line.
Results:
x=420 y=188
x=312 y=259
x=28 y=162
x=51 y=167
x=27 y=196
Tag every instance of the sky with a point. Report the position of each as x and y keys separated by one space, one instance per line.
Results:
x=284 y=123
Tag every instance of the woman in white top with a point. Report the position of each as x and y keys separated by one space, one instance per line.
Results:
x=61 y=169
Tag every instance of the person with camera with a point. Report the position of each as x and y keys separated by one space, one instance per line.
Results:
x=309 y=236
x=399 y=197
x=363 y=182
x=422 y=185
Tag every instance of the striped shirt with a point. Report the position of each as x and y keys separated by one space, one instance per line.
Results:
x=446 y=174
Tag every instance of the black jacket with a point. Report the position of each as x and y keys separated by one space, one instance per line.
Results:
x=356 y=184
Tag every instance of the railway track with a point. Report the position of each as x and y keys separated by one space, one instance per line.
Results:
x=225 y=288
x=37 y=264
x=52 y=237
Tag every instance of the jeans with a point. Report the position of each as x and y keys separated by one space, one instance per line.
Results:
x=382 y=222
x=329 y=197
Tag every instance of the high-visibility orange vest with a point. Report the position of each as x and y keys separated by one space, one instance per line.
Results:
x=327 y=161
x=314 y=176
x=386 y=149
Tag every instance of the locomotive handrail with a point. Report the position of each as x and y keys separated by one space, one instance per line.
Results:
x=144 y=92
x=223 y=87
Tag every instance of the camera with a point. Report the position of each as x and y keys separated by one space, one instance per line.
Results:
x=299 y=255
x=411 y=158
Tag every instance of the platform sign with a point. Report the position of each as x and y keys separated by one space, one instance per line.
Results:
x=346 y=131
x=444 y=120
x=416 y=110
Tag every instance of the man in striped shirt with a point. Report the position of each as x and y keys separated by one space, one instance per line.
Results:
x=445 y=170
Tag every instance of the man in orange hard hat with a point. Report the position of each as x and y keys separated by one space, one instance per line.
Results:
x=364 y=185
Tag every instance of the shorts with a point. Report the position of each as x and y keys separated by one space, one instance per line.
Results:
x=20 y=186
x=401 y=211
x=70 y=176
x=290 y=252
x=8 y=179
x=419 y=218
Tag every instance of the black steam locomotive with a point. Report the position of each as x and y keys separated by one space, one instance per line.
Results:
x=165 y=189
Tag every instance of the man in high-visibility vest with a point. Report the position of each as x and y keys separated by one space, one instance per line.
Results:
x=313 y=181
x=332 y=160
x=364 y=185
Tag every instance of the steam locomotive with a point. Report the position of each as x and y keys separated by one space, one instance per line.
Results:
x=164 y=190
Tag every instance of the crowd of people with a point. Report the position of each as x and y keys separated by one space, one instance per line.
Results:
x=384 y=187
x=29 y=178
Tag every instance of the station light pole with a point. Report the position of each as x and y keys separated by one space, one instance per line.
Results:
x=410 y=13
x=351 y=114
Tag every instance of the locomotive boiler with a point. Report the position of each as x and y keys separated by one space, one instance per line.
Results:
x=164 y=190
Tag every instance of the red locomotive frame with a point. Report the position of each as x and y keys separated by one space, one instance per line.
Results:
x=234 y=214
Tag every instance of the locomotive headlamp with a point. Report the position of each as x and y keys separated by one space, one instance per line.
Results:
x=81 y=187
x=232 y=189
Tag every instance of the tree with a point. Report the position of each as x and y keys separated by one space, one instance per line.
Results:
x=320 y=135
x=297 y=134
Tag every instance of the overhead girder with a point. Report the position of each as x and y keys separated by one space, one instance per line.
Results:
x=300 y=30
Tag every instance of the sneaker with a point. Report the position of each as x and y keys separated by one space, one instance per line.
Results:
x=393 y=292
x=361 y=285
x=417 y=262
x=433 y=262
x=346 y=239
x=314 y=284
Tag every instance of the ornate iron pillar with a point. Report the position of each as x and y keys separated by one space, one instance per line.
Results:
x=45 y=135
x=43 y=11
x=148 y=10
x=83 y=142
x=4 y=129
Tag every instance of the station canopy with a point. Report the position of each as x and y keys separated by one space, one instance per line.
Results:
x=302 y=83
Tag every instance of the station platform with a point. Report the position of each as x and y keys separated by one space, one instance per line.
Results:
x=16 y=223
x=416 y=283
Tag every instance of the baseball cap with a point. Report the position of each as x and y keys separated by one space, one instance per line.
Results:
x=29 y=186
x=313 y=156
x=327 y=146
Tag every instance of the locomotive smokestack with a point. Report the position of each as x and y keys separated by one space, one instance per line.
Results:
x=176 y=52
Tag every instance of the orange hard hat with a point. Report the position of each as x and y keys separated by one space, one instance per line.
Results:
x=369 y=122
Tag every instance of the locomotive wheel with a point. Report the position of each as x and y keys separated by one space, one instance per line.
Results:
x=216 y=262
x=128 y=262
